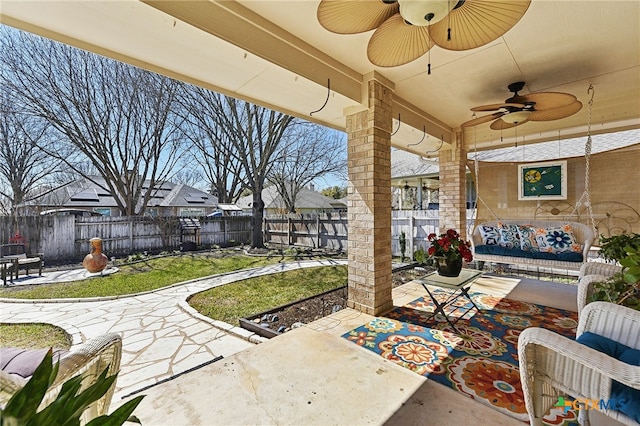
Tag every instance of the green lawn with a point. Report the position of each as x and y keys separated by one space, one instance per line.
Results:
x=144 y=276
x=241 y=299
x=226 y=303
x=34 y=336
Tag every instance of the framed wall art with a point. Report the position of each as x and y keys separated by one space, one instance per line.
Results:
x=542 y=181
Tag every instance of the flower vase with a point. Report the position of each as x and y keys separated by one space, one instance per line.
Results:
x=95 y=261
x=448 y=267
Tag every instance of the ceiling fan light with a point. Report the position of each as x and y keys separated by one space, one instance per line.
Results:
x=424 y=12
x=516 y=117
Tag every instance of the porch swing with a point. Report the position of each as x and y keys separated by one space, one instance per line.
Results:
x=532 y=242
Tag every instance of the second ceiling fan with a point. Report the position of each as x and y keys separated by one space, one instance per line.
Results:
x=519 y=109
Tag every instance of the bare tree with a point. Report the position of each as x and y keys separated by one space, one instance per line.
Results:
x=256 y=134
x=192 y=177
x=239 y=142
x=309 y=152
x=212 y=148
x=117 y=117
x=24 y=167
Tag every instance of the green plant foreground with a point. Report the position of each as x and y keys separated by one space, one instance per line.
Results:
x=146 y=275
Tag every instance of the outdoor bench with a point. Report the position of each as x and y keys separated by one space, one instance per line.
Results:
x=14 y=257
x=533 y=243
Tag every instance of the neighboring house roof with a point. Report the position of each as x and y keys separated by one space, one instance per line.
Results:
x=564 y=148
x=306 y=199
x=229 y=207
x=84 y=193
x=406 y=164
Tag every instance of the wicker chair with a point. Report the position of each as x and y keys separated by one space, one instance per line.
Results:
x=89 y=359
x=552 y=365
x=591 y=272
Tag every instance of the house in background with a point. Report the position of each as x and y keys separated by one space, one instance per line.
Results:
x=308 y=201
x=168 y=199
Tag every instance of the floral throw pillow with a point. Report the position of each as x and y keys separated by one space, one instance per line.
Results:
x=528 y=238
x=490 y=235
x=509 y=236
x=557 y=240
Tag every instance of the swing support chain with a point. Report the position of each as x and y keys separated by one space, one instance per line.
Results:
x=587 y=158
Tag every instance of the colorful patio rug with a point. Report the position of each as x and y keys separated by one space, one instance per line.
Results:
x=481 y=361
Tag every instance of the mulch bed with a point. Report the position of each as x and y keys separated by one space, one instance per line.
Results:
x=314 y=308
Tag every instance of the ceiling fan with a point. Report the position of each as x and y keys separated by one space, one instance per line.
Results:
x=407 y=29
x=518 y=109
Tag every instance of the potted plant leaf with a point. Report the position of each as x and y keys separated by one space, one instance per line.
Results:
x=69 y=404
x=624 y=287
x=613 y=248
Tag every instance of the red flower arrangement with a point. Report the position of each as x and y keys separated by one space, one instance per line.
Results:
x=450 y=246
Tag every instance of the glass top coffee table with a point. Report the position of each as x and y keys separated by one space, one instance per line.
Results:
x=460 y=286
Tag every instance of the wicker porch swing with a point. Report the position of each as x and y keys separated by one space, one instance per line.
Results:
x=523 y=238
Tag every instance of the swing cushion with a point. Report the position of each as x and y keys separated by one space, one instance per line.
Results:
x=513 y=252
x=528 y=238
x=490 y=235
x=557 y=240
x=526 y=254
x=509 y=236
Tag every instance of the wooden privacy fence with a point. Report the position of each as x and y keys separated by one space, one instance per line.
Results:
x=331 y=231
x=417 y=225
x=327 y=231
x=65 y=238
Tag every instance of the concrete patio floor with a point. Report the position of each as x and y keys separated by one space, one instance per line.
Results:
x=312 y=376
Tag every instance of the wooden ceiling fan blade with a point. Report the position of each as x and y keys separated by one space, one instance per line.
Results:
x=548 y=100
x=353 y=17
x=556 y=113
x=494 y=107
x=477 y=22
x=397 y=43
x=481 y=120
x=501 y=124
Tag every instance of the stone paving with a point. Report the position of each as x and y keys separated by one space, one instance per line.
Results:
x=162 y=335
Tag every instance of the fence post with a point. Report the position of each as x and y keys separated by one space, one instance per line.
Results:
x=318 y=230
x=265 y=230
x=412 y=224
x=225 y=228
x=130 y=234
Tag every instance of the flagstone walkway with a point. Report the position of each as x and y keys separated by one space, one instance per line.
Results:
x=162 y=335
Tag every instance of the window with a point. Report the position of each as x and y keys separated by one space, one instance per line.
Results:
x=187 y=211
x=104 y=211
x=151 y=211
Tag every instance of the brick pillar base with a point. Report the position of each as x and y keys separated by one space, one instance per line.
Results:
x=369 y=203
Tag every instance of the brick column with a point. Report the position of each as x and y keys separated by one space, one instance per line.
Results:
x=453 y=188
x=369 y=202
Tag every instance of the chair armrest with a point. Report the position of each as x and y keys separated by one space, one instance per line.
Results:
x=9 y=384
x=612 y=321
x=599 y=268
x=585 y=289
x=90 y=359
x=572 y=364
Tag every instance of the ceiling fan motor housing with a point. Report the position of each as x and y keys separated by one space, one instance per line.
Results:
x=424 y=12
